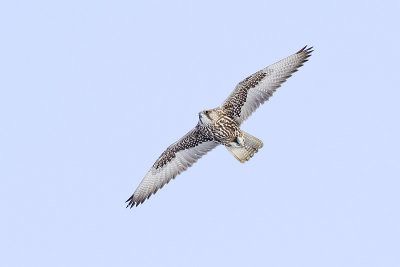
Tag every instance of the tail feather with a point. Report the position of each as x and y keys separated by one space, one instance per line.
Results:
x=246 y=152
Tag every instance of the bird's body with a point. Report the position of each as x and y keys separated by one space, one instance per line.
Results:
x=220 y=125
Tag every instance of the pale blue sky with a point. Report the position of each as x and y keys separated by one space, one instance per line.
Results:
x=91 y=92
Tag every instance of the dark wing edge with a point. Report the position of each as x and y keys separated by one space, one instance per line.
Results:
x=174 y=160
x=253 y=91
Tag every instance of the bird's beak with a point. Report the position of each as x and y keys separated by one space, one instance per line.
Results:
x=200 y=116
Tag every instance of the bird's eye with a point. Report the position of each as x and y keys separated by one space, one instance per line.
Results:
x=206 y=112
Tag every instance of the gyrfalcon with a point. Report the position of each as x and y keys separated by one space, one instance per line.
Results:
x=220 y=125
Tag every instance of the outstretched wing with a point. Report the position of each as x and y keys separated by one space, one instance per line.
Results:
x=174 y=160
x=253 y=91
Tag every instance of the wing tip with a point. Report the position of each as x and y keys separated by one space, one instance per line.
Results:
x=304 y=54
x=306 y=50
x=131 y=202
x=134 y=202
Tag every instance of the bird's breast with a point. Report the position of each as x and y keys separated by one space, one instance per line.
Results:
x=225 y=130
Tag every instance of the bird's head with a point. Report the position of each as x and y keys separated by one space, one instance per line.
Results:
x=208 y=116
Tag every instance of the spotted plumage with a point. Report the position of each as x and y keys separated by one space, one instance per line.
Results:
x=192 y=139
x=220 y=126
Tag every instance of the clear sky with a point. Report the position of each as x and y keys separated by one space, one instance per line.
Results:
x=92 y=92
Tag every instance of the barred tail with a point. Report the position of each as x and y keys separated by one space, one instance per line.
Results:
x=251 y=146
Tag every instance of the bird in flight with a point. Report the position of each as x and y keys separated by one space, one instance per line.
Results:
x=220 y=126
